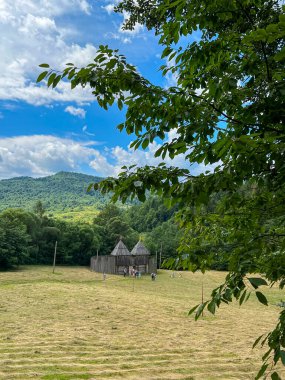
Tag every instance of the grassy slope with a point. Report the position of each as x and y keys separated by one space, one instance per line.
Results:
x=72 y=325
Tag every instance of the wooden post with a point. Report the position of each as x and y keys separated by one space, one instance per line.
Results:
x=202 y=294
x=54 y=256
x=160 y=255
x=156 y=259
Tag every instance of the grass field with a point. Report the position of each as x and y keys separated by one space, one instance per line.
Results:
x=73 y=325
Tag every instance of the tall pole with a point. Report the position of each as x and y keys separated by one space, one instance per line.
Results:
x=160 y=255
x=54 y=256
x=202 y=293
x=156 y=259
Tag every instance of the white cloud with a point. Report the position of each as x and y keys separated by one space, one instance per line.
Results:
x=43 y=7
x=109 y=8
x=202 y=168
x=80 y=112
x=31 y=93
x=171 y=78
x=85 y=6
x=30 y=35
x=41 y=155
x=85 y=130
x=129 y=156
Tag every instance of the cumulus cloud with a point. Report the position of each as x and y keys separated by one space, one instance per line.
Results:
x=41 y=155
x=121 y=157
x=32 y=36
x=79 y=112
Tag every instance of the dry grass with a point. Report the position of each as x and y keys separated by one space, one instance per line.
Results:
x=73 y=325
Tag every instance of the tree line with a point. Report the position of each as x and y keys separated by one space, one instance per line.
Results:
x=29 y=237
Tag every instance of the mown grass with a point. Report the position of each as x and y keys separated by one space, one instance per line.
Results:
x=74 y=325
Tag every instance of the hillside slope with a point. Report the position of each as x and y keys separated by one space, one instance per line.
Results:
x=59 y=193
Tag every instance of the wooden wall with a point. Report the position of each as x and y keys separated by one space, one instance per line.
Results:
x=116 y=264
x=104 y=264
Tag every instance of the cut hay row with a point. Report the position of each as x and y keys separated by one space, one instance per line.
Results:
x=74 y=325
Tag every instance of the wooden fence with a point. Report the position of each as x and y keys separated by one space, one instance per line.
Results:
x=116 y=264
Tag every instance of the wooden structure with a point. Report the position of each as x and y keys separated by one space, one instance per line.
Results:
x=121 y=259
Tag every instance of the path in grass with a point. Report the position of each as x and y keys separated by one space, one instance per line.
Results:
x=73 y=325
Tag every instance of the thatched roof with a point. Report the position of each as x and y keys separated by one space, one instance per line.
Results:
x=120 y=250
x=139 y=249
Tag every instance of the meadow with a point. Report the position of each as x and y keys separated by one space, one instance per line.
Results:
x=74 y=325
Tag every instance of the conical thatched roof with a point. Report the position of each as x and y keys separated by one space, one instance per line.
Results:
x=120 y=249
x=140 y=249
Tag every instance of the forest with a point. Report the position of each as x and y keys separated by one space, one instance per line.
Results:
x=60 y=193
x=28 y=237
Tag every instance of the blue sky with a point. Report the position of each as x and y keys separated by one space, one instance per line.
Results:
x=44 y=131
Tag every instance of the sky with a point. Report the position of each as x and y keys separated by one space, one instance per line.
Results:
x=44 y=131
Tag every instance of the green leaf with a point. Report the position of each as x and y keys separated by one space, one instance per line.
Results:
x=242 y=298
x=141 y=196
x=200 y=310
x=275 y=376
x=44 y=65
x=261 y=371
x=257 y=341
x=191 y=311
x=174 y=3
x=166 y=52
x=282 y=356
x=212 y=307
x=261 y=298
x=90 y=187
x=42 y=76
x=257 y=281
x=51 y=79
x=145 y=143
x=55 y=82
x=74 y=84
x=267 y=353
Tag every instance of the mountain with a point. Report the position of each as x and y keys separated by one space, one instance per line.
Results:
x=63 y=194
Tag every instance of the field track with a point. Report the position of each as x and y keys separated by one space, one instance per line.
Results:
x=73 y=325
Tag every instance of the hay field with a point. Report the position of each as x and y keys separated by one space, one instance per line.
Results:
x=73 y=325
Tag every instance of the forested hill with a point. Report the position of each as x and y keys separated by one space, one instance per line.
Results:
x=61 y=192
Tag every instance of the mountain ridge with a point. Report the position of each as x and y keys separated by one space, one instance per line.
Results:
x=60 y=192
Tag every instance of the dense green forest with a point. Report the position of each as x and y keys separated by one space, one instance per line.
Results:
x=28 y=237
x=38 y=212
x=63 y=194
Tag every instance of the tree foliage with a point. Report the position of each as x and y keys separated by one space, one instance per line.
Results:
x=58 y=193
x=228 y=112
x=28 y=238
